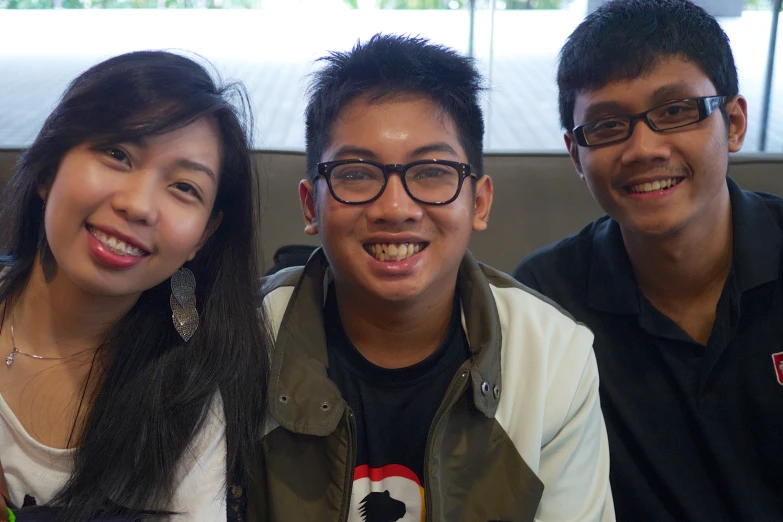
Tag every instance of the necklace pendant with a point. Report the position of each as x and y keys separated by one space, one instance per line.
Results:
x=10 y=359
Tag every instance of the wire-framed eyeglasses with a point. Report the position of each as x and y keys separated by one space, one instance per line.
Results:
x=670 y=115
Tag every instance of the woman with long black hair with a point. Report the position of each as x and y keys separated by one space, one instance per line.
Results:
x=135 y=358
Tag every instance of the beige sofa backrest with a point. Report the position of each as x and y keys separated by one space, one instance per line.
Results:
x=538 y=199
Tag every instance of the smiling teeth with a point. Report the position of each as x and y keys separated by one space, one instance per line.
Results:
x=394 y=251
x=116 y=245
x=655 y=185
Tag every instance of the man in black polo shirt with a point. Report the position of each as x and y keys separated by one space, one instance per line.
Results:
x=681 y=282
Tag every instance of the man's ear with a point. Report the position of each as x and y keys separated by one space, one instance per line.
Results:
x=307 y=200
x=212 y=226
x=573 y=152
x=737 y=109
x=482 y=203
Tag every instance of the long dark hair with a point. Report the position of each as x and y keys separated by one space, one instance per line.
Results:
x=154 y=390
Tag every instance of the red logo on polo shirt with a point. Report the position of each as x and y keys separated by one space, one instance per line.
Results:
x=777 y=360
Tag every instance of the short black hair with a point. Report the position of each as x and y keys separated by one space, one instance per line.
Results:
x=386 y=65
x=624 y=39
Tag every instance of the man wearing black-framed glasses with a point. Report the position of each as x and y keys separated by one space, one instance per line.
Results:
x=410 y=380
x=682 y=281
x=429 y=181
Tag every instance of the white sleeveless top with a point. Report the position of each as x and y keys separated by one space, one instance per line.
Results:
x=40 y=471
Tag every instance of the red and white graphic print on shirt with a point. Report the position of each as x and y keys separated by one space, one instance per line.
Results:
x=777 y=361
x=391 y=493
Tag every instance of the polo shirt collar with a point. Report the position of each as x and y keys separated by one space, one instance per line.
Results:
x=612 y=287
x=757 y=239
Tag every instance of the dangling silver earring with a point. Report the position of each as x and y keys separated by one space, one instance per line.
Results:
x=45 y=257
x=183 y=303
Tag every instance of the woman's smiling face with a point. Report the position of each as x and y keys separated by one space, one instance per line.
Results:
x=122 y=218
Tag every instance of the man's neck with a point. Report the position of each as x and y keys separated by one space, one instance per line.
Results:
x=683 y=274
x=58 y=318
x=394 y=334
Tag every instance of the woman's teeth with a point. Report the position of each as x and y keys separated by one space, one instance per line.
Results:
x=394 y=251
x=116 y=245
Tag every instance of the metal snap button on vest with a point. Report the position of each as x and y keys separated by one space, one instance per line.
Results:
x=484 y=388
x=496 y=391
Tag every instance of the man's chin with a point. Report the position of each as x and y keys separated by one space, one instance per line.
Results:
x=397 y=292
x=653 y=229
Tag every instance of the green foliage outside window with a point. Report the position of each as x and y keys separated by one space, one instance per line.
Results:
x=758 y=5
x=459 y=4
x=126 y=4
x=26 y=4
x=418 y=4
x=535 y=4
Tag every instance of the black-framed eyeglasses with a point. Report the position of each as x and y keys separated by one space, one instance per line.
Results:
x=431 y=182
x=670 y=115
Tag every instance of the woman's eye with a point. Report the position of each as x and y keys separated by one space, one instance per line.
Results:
x=117 y=154
x=187 y=188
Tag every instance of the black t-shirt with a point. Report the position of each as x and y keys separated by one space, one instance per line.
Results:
x=394 y=409
x=694 y=430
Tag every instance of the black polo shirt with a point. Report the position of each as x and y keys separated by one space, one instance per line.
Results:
x=695 y=431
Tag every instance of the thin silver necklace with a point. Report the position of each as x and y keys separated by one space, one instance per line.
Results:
x=10 y=359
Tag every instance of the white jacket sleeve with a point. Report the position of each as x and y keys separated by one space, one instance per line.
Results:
x=574 y=464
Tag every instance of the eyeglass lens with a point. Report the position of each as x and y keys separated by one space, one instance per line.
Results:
x=430 y=183
x=669 y=116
